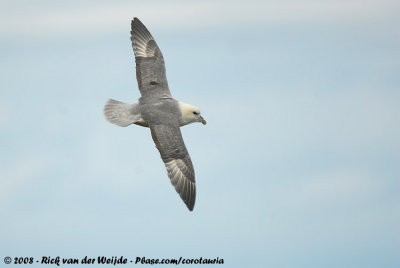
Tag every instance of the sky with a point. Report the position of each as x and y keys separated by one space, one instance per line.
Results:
x=298 y=165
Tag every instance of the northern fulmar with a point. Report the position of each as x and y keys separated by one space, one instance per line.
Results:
x=159 y=111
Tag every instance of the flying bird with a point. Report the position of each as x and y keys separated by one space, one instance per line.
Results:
x=159 y=111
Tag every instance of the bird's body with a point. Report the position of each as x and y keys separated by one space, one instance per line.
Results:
x=124 y=114
x=159 y=111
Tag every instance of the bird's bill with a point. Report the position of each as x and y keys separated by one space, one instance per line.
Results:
x=204 y=122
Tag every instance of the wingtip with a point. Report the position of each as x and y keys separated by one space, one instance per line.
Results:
x=190 y=207
x=136 y=20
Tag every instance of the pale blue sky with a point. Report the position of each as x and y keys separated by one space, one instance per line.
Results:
x=298 y=165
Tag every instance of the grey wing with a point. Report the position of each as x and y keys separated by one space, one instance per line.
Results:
x=150 y=67
x=169 y=142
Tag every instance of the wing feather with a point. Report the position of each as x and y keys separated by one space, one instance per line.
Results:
x=150 y=66
x=169 y=142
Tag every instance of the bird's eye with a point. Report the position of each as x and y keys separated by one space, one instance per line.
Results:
x=195 y=113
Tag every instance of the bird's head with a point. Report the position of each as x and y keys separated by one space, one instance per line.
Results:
x=190 y=114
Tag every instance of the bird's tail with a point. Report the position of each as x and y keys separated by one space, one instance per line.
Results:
x=121 y=114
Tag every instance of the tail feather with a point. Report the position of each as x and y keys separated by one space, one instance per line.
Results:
x=121 y=114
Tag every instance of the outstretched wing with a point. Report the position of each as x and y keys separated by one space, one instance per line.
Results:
x=150 y=67
x=169 y=142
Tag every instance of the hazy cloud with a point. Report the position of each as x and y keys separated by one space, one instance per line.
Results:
x=92 y=18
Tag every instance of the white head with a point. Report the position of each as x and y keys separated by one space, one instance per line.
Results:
x=190 y=114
